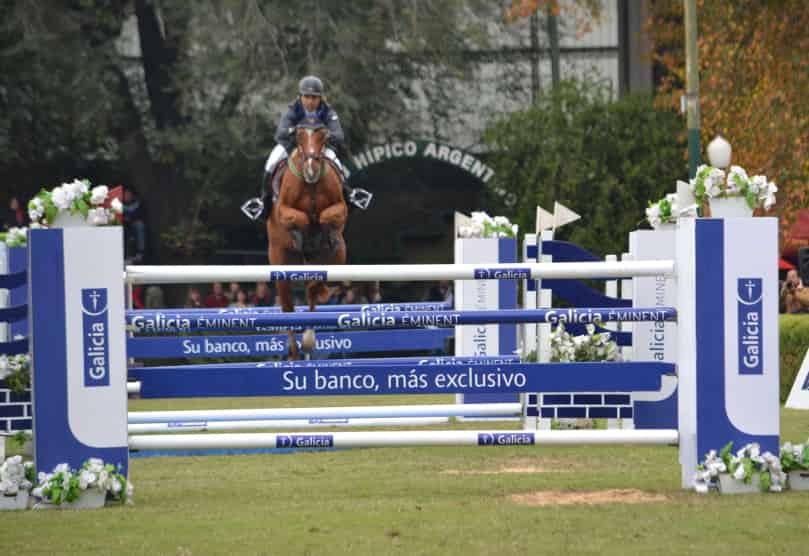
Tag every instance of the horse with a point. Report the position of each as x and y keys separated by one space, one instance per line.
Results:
x=306 y=221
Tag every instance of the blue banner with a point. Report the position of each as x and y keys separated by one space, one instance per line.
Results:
x=260 y=345
x=396 y=378
x=152 y=322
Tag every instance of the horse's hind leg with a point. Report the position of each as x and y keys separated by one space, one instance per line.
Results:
x=316 y=292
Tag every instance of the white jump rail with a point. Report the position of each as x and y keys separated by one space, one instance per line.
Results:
x=195 y=274
x=204 y=426
x=402 y=438
x=348 y=412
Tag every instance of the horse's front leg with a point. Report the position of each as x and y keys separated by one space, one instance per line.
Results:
x=292 y=218
x=334 y=215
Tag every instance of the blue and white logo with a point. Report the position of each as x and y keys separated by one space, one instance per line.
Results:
x=304 y=441
x=505 y=439
x=95 y=337
x=749 y=302
x=502 y=274
x=298 y=275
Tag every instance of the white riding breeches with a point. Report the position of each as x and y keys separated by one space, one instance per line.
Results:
x=279 y=153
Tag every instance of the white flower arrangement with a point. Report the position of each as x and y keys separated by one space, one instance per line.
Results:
x=483 y=225
x=15 y=476
x=742 y=466
x=666 y=211
x=590 y=347
x=711 y=182
x=15 y=237
x=76 y=197
x=795 y=457
x=66 y=485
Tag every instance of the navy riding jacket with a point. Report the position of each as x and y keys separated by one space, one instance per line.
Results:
x=293 y=116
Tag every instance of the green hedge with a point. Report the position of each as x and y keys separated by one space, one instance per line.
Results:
x=794 y=343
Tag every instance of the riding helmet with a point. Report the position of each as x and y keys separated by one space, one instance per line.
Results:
x=311 y=85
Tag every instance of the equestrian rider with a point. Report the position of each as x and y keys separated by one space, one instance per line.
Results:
x=310 y=103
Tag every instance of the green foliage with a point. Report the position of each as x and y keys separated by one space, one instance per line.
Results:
x=604 y=159
x=794 y=342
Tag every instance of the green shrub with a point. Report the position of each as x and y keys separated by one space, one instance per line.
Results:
x=794 y=343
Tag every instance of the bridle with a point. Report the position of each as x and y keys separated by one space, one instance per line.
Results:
x=305 y=172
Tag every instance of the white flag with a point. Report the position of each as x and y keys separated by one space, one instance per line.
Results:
x=563 y=215
x=544 y=220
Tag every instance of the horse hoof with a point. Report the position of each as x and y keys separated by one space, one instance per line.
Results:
x=308 y=341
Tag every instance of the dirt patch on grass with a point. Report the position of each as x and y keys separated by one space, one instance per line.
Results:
x=588 y=498
x=501 y=471
x=518 y=467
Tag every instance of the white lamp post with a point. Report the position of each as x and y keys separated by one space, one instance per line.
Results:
x=719 y=152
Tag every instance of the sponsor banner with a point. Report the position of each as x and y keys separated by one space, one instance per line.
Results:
x=397 y=378
x=146 y=347
x=78 y=346
x=506 y=439
x=751 y=325
x=150 y=322
x=502 y=274
x=653 y=341
x=298 y=275
x=304 y=441
x=95 y=325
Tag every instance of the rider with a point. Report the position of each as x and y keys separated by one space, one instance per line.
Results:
x=311 y=102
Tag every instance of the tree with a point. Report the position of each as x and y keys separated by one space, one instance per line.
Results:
x=604 y=159
x=754 y=81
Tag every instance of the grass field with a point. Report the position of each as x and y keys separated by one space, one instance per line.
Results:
x=420 y=501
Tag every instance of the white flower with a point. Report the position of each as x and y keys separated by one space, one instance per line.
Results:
x=481 y=218
x=737 y=180
x=514 y=229
x=98 y=195
x=501 y=221
x=653 y=215
x=35 y=209
x=60 y=198
x=61 y=468
x=758 y=184
x=97 y=216
x=116 y=206
x=591 y=328
x=739 y=473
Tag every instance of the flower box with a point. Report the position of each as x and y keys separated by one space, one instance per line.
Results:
x=88 y=500
x=17 y=502
x=729 y=485
x=798 y=480
x=730 y=207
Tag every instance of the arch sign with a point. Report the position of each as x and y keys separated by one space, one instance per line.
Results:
x=375 y=154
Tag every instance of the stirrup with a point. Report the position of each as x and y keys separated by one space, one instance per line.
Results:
x=253 y=208
x=360 y=198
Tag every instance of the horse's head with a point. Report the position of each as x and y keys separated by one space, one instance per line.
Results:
x=312 y=136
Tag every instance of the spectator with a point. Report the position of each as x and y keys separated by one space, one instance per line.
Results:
x=137 y=297
x=154 y=298
x=240 y=301
x=233 y=289
x=134 y=220
x=193 y=300
x=441 y=292
x=15 y=217
x=372 y=292
x=263 y=296
x=794 y=297
x=349 y=297
x=216 y=299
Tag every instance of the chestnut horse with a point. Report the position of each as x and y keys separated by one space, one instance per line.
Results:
x=306 y=221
